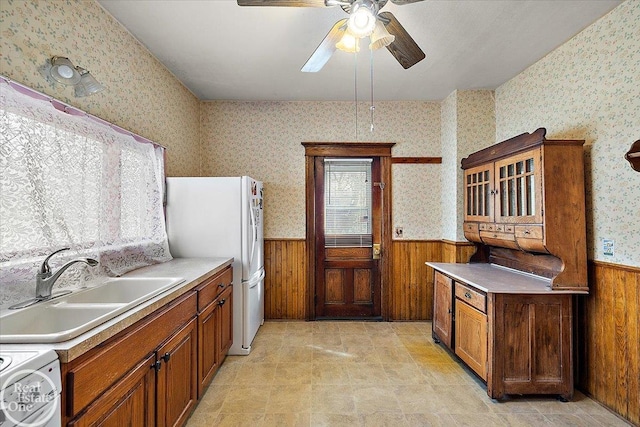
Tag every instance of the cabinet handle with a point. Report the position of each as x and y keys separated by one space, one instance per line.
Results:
x=157 y=365
x=166 y=357
x=221 y=302
x=467 y=295
x=449 y=311
x=221 y=285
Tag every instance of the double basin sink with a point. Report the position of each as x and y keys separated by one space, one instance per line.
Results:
x=67 y=317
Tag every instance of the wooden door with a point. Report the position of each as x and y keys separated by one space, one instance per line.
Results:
x=471 y=337
x=225 y=323
x=478 y=193
x=348 y=212
x=208 y=337
x=518 y=192
x=177 y=377
x=443 y=308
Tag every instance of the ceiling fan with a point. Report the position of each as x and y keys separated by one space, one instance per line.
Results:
x=365 y=19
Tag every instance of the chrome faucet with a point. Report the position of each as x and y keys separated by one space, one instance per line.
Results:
x=45 y=279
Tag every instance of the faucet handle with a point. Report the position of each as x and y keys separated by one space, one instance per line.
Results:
x=44 y=268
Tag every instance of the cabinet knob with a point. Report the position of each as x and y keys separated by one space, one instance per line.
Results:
x=156 y=365
x=467 y=295
x=221 y=285
x=166 y=357
x=221 y=302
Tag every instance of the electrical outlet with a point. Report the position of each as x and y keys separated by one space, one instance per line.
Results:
x=608 y=247
x=399 y=232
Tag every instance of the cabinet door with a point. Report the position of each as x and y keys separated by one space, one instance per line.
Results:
x=225 y=302
x=129 y=402
x=442 y=308
x=177 y=377
x=208 y=345
x=478 y=194
x=471 y=337
x=519 y=189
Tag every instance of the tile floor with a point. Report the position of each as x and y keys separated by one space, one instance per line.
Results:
x=368 y=374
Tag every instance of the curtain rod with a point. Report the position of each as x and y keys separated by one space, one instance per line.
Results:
x=74 y=111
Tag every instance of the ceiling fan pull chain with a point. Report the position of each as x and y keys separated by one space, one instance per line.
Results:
x=372 y=108
x=355 y=85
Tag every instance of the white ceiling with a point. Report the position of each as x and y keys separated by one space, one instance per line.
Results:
x=220 y=50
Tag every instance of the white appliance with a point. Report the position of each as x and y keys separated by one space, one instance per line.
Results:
x=223 y=217
x=30 y=387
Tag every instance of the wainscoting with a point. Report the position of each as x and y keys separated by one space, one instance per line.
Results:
x=410 y=291
x=608 y=338
x=285 y=293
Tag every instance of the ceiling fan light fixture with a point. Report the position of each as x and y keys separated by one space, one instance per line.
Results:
x=348 y=43
x=380 y=37
x=63 y=71
x=363 y=18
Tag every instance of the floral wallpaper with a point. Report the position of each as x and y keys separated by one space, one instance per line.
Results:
x=468 y=125
x=450 y=188
x=141 y=96
x=589 y=89
x=263 y=139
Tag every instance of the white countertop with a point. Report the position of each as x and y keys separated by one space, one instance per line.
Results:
x=496 y=279
x=193 y=270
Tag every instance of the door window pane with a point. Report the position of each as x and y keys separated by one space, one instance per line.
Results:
x=347 y=203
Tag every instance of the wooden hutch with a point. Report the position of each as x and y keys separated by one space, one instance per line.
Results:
x=508 y=313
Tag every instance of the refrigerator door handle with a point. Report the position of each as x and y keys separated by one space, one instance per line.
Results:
x=255 y=281
x=254 y=229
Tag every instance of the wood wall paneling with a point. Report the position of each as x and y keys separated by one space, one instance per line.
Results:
x=411 y=287
x=285 y=282
x=608 y=338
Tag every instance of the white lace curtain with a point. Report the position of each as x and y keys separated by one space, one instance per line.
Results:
x=67 y=180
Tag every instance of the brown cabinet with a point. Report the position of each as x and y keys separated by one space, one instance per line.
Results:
x=152 y=372
x=443 y=309
x=471 y=337
x=510 y=309
x=526 y=194
x=517 y=343
x=214 y=314
x=176 y=387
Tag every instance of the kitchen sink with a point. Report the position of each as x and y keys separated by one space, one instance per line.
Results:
x=129 y=290
x=67 y=317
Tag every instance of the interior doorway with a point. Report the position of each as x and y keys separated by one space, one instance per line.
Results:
x=348 y=237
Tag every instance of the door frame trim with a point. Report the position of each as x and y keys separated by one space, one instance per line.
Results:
x=348 y=149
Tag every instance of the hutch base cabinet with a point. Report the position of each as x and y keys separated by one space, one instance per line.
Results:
x=518 y=343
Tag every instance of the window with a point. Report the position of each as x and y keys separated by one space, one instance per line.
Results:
x=347 y=202
x=69 y=180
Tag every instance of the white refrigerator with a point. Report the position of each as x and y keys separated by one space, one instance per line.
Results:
x=223 y=217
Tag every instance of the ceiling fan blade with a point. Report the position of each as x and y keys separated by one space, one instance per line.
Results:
x=326 y=48
x=401 y=2
x=287 y=3
x=403 y=48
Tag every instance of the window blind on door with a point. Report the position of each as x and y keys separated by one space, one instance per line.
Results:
x=347 y=202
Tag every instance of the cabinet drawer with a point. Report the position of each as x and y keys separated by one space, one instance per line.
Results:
x=212 y=287
x=471 y=232
x=504 y=228
x=472 y=297
x=529 y=231
x=531 y=238
x=487 y=226
x=495 y=238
